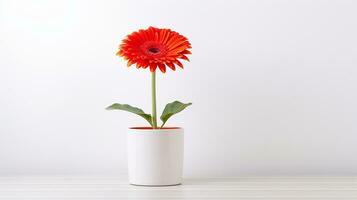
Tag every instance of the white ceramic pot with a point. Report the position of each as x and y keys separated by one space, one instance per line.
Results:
x=155 y=156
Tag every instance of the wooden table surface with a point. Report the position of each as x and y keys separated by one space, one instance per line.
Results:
x=102 y=188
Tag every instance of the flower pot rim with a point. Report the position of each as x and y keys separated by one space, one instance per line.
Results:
x=146 y=128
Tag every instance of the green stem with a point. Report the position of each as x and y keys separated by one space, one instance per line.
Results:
x=153 y=99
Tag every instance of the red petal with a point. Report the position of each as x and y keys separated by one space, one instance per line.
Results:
x=178 y=63
x=143 y=34
x=180 y=48
x=167 y=36
x=120 y=53
x=156 y=37
x=178 y=44
x=173 y=40
x=162 y=68
x=138 y=64
x=184 y=57
x=162 y=35
x=186 y=52
x=151 y=33
x=144 y=64
x=130 y=62
x=172 y=66
x=153 y=67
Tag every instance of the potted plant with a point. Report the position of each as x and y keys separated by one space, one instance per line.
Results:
x=155 y=153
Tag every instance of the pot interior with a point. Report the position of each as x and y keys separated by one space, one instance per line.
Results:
x=150 y=128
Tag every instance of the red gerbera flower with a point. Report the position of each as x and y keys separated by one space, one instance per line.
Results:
x=155 y=47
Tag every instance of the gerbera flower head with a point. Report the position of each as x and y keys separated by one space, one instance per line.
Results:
x=155 y=48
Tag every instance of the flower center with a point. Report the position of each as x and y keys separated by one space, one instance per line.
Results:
x=154 y=50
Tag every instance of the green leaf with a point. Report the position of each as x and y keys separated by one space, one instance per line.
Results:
x=135 y=110
x=171 y=109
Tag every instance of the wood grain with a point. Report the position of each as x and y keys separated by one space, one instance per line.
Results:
x=101 y=188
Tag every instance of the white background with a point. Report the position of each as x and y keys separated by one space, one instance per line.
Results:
x=273 y=85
